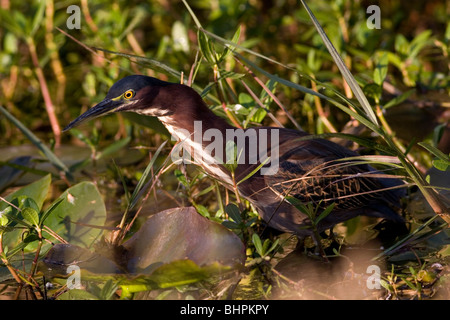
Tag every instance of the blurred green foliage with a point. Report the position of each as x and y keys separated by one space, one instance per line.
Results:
x=413 y=38
x=403 y=69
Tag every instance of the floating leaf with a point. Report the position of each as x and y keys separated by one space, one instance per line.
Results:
x=32 y=196
x=182 y=233
x=81 y=209
x=37 y=191
x=174 y=247
x=61 y=256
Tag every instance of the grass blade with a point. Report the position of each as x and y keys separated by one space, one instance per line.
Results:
x=145 y=60
x=357 y=91
x=37 y=142
x=124 y=184
x=254 y=171
x=325 y=213
x=197 y=22
x=435 y=151
x=137 y=191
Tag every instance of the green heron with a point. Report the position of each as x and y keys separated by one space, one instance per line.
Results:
x=310 y=170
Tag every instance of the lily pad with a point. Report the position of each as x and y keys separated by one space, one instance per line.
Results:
x=182 y=233
x=80 y=215
x=37 y=190
x=61 y=256
x=95 y=267
x=174 y=247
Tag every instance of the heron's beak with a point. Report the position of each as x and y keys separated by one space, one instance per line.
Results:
x=105 y=107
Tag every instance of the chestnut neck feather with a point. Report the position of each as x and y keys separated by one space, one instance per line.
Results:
x=184 y=106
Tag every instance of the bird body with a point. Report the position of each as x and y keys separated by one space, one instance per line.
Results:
x=271 y=164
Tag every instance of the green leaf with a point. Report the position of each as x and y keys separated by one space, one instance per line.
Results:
x=441 y=165
x=3 y=216
x=31 y=215
x=401 y=45
x=230 y=75
x=181 y=178
x=15 y=217
x=233 y=212
x=174 y=274
x=14 y=22
x=381 y=68
x=205 y=47
x=313 y=62
x=418 y=43
x=202 y=210
x=30 y=203
x=205 y=191
x=49 y=210
x=274 y=245
x=108 y=290
x=265 y=246
x=256 y=240
x=39 y=15
x=325 y=213
x=374 y=90
x=11 y=43
x=294 y=201
x=410 y=284
x=230 y=224
x=228 y=49
x=385 y=285
x=37 y=191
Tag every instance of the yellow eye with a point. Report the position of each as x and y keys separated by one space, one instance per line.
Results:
x=128 y=94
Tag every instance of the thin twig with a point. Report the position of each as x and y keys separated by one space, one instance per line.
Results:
x=270 y=93
x=258 y=101
x=45 y=92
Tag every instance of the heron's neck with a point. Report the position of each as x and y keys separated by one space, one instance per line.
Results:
x=198 y=130
x=194 y=126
